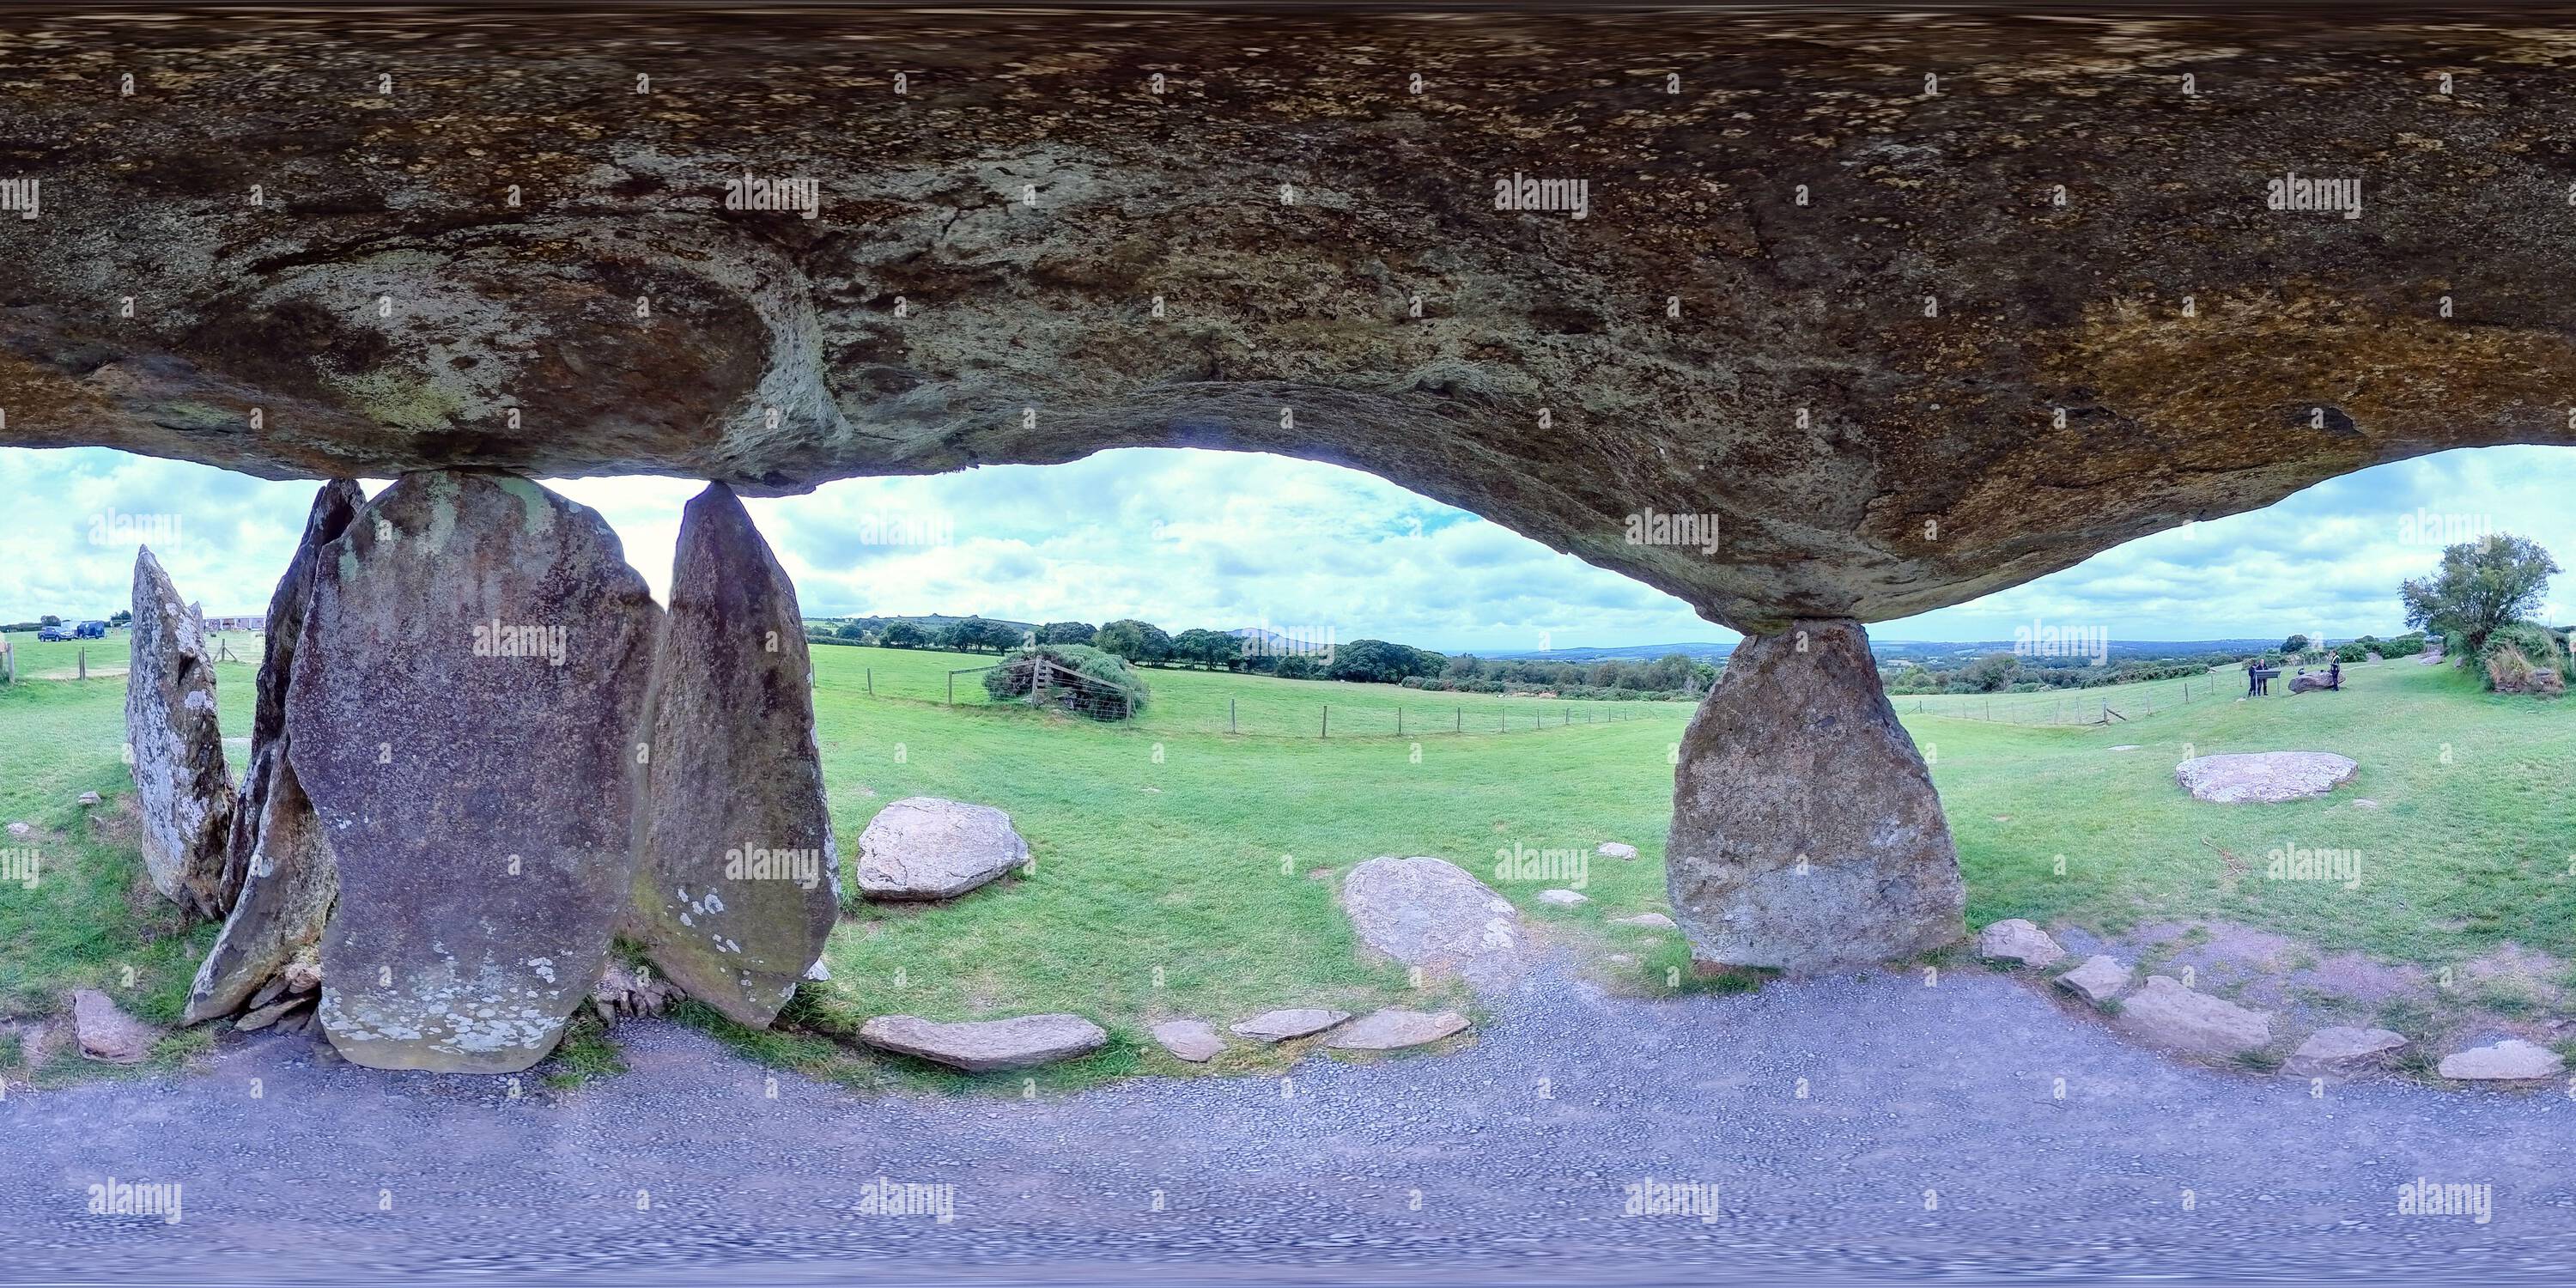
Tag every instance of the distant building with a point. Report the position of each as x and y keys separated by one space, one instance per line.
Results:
x=255 y=622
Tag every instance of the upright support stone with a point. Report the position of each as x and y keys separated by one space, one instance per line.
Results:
x=279 y=859
x=464 y=713
x=739 y=883
x=176 y=747
x=1806 y=834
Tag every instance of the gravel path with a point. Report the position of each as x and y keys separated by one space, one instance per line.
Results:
x=1517 y=1152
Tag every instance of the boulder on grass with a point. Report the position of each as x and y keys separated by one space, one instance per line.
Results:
x=1394 y=1029
x=2264 y=777
x=1192 y=1040
x=465 y=716
x=739 y=884
x=181 y=785
x=923 y=847
x=984 y=1046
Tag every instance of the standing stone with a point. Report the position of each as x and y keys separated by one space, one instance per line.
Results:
x=739 y=884
x=465 y=713
x=181 y=784
x=1806 y=834
x=279 y=860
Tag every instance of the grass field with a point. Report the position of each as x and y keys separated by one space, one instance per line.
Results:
x=1183 y=871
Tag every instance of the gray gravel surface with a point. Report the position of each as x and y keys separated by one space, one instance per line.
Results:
x=1505 y=1163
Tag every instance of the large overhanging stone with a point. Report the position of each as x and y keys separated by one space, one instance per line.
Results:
x=278 y=857
x=739 y=884
x=464 y=713
x=1806 y=834
x=1914 y=311
x=177 y=749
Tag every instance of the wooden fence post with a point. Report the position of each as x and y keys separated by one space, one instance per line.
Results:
x=1328 y=720
x=1229 y=716
x=84 y=663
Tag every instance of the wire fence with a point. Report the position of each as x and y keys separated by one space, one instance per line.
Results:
x=2111 y=704
x=1216 y=703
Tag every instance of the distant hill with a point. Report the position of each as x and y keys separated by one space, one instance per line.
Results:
x=1703 y=650
x=926 y=621
x=1885 y=650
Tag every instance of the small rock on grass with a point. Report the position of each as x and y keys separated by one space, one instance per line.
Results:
x=1192 y=1040
x=2099 y=979
x=1616 y=850
x=1394 y=1029
x=2016 y=939
x=1296 y=1022
x=108 y=1034
x=20 y=829
x=984 y=1046
x=1648 y=920
x=1563 y=898
x=2341 y=1052
x=2511 y=1060
x=89 y=798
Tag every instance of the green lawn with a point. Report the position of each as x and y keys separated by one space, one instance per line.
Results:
x=1183 y=871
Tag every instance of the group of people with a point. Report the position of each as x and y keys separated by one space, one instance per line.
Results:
x=2258 y=678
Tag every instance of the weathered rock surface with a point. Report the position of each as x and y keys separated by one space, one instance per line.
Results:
x=2341 y=1052
x=181 y=785
x=1930 y=466
x=1394 y=1029
x=1646 y=920
x=277 y=856
x=2164 y=1013
x=2098 y=980
x=1193 y=1040
x=1431 y=913
x=2512 y=1060
x=1616 y=850
x=922 y=847
x=983 y=1046
x=626 y=994
x=1294 y=1022
x=2016 y=939
x=464 y=715
x=739 y=884
x=108 y=1034
x=2263 y=777
x=2311 y=683
x=1563 y=898
x=1806 y=834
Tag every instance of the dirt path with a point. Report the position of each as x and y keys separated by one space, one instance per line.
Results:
x=2144 y=1167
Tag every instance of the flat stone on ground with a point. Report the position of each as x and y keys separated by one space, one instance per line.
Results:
x=2341 y=1052
x=2263 y=777
x=738 y=883
x=108 y=1034
x=1563 y=898
x=923 y=847
x=2511 y=1060
x=2164 y=1013
x=2016 y=939
x=1296 y=1022
x=1430 y=913
x=1648 y=920
x=2099 y=979
x=1394 y=1029
x=1193 y=1040
x=984 y=1046
x=1616 y=850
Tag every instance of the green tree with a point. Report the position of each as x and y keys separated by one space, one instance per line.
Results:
x=904 y=635
x=1067 y=633
x=50 y=620
x=1134 y=640
x=2295 y=644
x=2480 y=585
x=1211 y=649
x=121 y=617
x=1992 y=673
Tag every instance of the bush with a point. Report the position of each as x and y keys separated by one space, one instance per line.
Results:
x=1105 y=687
x=2402 y=646
x=2523 y=658
x=2349 y=654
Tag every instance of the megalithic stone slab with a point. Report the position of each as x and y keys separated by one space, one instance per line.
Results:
x=177 y=748
x=1806 y=834
x=739 y=884
x=279 y=860
x=465 y=713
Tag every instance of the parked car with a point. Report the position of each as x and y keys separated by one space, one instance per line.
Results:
x=54 y=634
x=90 y=631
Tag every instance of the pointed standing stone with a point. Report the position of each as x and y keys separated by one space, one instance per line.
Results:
x=1806 y=834
x=464 y=713
x=739 y=885
x=176 y=747
x=280 y=861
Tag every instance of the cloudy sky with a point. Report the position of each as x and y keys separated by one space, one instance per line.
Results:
x=1189 y=538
